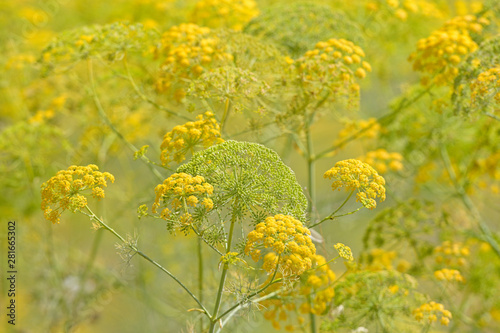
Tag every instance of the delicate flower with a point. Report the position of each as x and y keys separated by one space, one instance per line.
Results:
x=181 y=194
x=440 y=54
x=383 y=161
x=233 y=14
x=188 y=50
x=432 y=311
x=451 y=253
x=289 y=242
x=184 y=138
x=355 y=175
x=332 y=64
x=344 y=251
x=67 y=188
x=485 y=87
x=448 y=275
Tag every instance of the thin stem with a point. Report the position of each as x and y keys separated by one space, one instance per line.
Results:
x=140 y=253
x=108 y=122
x=227 y=108
x=200 y=278
x=241 y=305
x=311 y=170
x=491 y=115
x=255 y=293
x=483 y=227
x=312 y=317
x=223 y=276
x=333 y=216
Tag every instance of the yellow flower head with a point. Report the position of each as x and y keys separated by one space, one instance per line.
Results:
x=431 y=312
x=355 y=175
x=289 y=242
x=181 y=193
x=334 y=64
x=344 y=251
x=452 y=253
x=65 y=189
x=188 y=49
x=368 y=128
x=446 y=274
x=383 y=161
x=440 y=54
x=485 y=87
x=205 y=131
x=318 y=287
x=232 y=14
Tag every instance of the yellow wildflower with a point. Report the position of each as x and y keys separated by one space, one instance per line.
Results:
x=292 y=248
x=355 y=175
x=205 y=131
x=64 y=190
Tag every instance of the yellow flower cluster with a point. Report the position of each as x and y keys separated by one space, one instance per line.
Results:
x=289 y=241
x=383 y=161
x=42 y=115
x=432 y=311
x=182 y=139
x=182 y=191
x=19 y=61
x=486 y=86
x=277 y=312
x=452 y=253
x=401 y=9
x=232 y=14
x=488 y=167
x=382 y=260
x=62 y=191
x=355 y=175
x=368 y=128
x=188 y=49
x=334 y=63
x=448 y=275
x=316 y=290
x=344 y=251
x=442 y=52
x=319 y=288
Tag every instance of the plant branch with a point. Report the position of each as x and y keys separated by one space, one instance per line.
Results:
x=140 y=253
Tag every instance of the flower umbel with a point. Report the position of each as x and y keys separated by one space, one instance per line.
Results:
x=289 y=241
x=431 y=311
x=355 y=175
x=183 y=193
x=205 y=131
x=64 y=190
x=344 y=251
x=442 y=52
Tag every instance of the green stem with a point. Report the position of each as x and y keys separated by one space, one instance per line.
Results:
x=108 y=122
x=312 y=317
x=200 y=277
x=491 y=115
x=311 y=171
x=483 y=227
x=140 y=253
x=225 y=268
x=255 y=293
x=333 y=216
x=227 y=108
